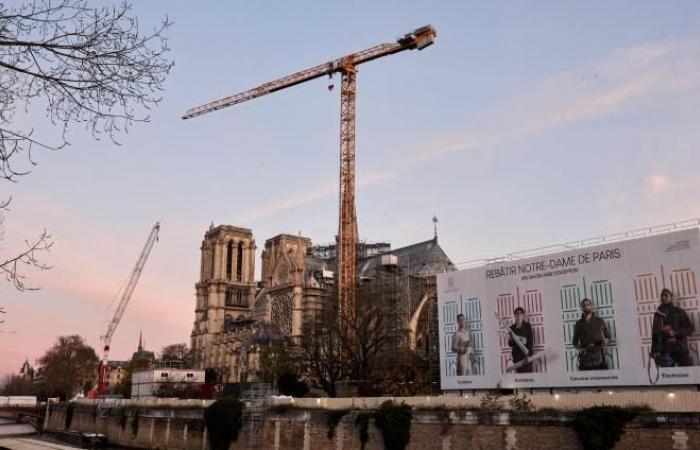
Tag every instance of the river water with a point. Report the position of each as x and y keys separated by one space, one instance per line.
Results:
x=9 y=427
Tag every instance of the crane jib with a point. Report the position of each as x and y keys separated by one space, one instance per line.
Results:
x=418 y=39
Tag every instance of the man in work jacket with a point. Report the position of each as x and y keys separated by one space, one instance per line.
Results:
x=590 y=336
x=670 y=330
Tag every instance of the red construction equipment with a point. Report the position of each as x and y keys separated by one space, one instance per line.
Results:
x=123 y=302
x=347 y=66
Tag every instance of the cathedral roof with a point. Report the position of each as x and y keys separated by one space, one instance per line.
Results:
x=142 y=353
x=425 y=257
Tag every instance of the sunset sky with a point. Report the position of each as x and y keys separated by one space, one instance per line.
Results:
x=526 y=124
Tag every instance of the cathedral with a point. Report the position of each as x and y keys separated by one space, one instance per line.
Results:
x=236 y=316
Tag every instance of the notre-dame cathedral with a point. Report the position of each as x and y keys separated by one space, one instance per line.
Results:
x=235 y=315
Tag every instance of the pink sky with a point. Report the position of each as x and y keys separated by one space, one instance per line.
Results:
x=520 y=128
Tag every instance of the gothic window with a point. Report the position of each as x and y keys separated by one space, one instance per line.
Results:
x=229 y=259
x=282 y=311
x=213 y=261
x=239 y=262
x=234 y=297
x=282 y=273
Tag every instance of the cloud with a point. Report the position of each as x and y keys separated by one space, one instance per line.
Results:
x=607 y=85
x=596 y=89
x=657 y=184
x=660 y=185
x=323 y=191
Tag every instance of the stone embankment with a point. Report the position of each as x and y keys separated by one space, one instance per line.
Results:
x=439 y=423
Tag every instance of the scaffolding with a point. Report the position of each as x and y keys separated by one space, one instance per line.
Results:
x=256 y=401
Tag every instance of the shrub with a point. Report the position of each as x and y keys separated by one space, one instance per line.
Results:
x=394 y=421
x=70 y=407
x=446 y=419
x=362 y=423
x=521 y=403
x=282 y=409
x=289 y=384
x=491 y=402
x=224 y=421
x=333 y=418
x=135 y=422
x=600 y=427
x=122 y=418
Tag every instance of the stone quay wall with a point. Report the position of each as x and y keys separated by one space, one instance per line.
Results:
x=179 y=424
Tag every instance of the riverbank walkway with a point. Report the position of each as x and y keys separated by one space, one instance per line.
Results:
x=27 y=443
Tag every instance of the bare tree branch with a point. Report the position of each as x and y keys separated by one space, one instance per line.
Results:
x=84 y=64
x=12 y=268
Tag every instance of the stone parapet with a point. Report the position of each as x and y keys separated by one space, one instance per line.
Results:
x=442 y=423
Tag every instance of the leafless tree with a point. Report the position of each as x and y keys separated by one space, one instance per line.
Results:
x=83 y=65
x=321 y=353
x=369 y=335
x=11 y=268
x=178 y=353
x=16 y=385
x=337 y=348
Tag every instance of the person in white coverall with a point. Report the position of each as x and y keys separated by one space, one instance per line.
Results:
x=461 y=344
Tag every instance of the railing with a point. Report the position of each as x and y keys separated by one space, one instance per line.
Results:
x=33 y=415
x=598 y=240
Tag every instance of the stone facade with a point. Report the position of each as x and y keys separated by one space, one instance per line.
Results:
x=225 y=291
x=235 y=316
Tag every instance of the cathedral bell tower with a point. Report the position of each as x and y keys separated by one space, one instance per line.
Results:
x=226 y=287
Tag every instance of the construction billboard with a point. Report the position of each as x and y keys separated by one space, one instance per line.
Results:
x=619 y=314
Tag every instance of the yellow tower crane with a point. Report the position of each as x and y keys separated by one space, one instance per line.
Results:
x=347 y=65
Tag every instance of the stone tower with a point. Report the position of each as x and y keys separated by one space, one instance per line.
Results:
x=283 y=280
x=226 y=287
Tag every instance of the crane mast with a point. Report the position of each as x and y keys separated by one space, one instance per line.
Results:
x=123 y=302
x=347 y=66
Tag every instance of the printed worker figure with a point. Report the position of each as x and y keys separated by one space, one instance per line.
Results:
x=522 y=331
x=670 y=330
x=590 y=337
x=461 y=344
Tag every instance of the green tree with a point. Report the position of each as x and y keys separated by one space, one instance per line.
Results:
x=68 y=367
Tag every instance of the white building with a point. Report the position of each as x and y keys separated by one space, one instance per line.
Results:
x=146 y=382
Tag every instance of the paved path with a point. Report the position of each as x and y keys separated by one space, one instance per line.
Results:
x=10 y=427
x=21 y=443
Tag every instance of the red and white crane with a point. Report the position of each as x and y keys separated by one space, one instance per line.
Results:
x=347 y=66
x=123 y=302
